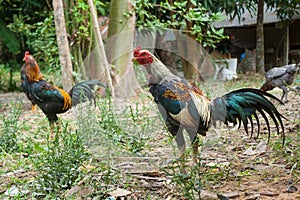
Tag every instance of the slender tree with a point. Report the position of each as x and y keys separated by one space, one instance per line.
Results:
x=260 y=47
x=63 y=44
x=120 y=45
x=100 y=48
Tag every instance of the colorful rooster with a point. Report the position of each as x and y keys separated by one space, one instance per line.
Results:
x=184 y=106
x=51 y=99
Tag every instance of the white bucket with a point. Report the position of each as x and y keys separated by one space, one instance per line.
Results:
x=227 y=68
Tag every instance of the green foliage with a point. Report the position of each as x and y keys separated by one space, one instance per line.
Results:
x=8 y=38
x=4 y=77
x=197 y=178
x=290 y=153
x=58 y=163
x=9 y=79
x=190 y=16
x=10 y=128
x=80 y=31
x=41 y=41
x=189 y=185
x=230 y=7
x=29 y=12
x=284 y=9
x=104 y=126
x=82 y=21
x=99 y=128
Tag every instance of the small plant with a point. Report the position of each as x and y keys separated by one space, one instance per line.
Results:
x=9 y=128
x=197 y=177
x=105 y=126
x=4 y=77
x=137 y=128
x=290 y=152
x=97 y=125
x=58 y=164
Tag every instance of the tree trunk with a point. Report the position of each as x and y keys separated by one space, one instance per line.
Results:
x=286 y=46
x=100 y=48
x=260 y=49
x=63 y=45
x=120 y=46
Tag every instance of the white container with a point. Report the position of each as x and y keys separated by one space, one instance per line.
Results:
x=227 y=69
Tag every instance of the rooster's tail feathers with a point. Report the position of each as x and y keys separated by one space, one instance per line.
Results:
x=84 y=91
x=241 y=105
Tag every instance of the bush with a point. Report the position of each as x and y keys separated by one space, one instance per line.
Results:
x=58 y=165
x=10 y=128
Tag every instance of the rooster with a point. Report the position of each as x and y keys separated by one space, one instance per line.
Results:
x=280 y=77
x=25 y=83
x=51 y=99
x=184 y=106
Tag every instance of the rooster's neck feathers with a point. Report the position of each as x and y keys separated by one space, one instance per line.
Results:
x=158 y=71
x=32 y=69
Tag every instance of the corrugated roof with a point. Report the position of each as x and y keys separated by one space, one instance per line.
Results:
x=248 y=20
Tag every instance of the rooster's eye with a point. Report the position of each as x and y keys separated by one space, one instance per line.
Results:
x=144 y=54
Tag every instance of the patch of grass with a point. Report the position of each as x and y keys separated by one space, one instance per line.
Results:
x=58 y=163
x=10 y=128
x=9 y=79
x=4 y=80
x=198 y=177
x=290 y=152
x=107 y=127
x=137 y=127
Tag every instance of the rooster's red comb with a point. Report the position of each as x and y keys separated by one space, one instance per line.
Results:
x=136 y=51
x=26 y=56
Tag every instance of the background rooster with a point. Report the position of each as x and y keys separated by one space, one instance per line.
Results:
x=280 y=77
x=24 y=79
x=184 y=106
x=51 y=99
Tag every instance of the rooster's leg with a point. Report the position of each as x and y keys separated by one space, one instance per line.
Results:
x=181 y=146
x=195 y=144
x=55 y=128
x=33 y=108
x=285 y=93
x=54 y=125
x=195 y=151
x=52 y=131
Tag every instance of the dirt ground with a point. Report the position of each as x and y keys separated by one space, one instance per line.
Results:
x=245 y=168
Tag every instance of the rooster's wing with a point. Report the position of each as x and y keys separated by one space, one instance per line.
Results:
x=51 y=99
x=183 y=102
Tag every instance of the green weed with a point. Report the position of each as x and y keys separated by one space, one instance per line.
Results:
x=107 y=126
x=290 y=152
x=58 y=163
x=10 y=128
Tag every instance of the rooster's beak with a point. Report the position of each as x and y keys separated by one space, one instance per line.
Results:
x=134 y=60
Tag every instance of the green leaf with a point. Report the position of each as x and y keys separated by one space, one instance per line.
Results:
x=8 y=38
x=38 y=147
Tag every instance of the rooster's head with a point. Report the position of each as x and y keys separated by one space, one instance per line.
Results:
x=27 y=57
x=143 y=57
x=32 y=69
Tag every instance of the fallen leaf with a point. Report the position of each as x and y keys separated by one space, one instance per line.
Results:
x=260 y=149
x=119 y=193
